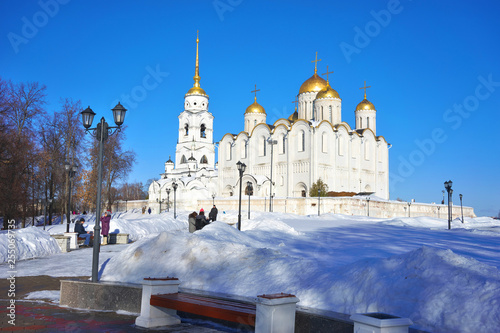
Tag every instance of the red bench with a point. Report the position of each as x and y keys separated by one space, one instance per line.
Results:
x=232 y=311
x=161 y=300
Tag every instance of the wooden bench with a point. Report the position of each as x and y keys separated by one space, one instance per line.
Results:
x=232 y=311
x=161 y=299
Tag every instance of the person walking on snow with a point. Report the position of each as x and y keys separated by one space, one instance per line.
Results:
x=201 y=220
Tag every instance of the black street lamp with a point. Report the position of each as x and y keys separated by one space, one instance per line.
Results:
x=213 y=199
x=368 y=205
x=461 y=207
x=447 y=186
x=168 y=199
x=250 y=190
x=101 y=133
x=272 y=143
x=71 y=169
x=442 y=202
x=174 y=185
x=409 y=209
x=241 y=168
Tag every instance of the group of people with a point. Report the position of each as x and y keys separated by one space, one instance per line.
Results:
x=198 y=221
x=88 y=235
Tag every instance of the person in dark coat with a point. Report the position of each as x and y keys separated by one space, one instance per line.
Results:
x=149 y=210
x=201 y=220
x=192 y=222
x=212 y=216
x=105 y=227
x=80 y=230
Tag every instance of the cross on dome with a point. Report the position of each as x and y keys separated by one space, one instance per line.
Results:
x=327 y=72
x=365 y=87
x=255 y=91
x=316 y=63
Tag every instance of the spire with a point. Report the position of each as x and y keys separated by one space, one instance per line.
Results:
x=197 y=68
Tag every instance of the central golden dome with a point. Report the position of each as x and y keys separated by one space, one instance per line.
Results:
x=365 y=105
x=255 y=108
x=328 y=92
x=314 y=84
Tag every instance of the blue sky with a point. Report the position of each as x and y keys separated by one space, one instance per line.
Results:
x=433 y=68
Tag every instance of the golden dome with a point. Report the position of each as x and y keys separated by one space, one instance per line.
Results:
x=293 y=117
x=365 y=105
x=314 y=84
x=255 y=108
x=328 y=92
x=196 y=91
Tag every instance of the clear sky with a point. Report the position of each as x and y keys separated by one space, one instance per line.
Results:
x=433 y=67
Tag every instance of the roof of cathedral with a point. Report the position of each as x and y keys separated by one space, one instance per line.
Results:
x=365 y=105
x=314 y=84
x=255 y=108
x=294 y=116
x=328 y=92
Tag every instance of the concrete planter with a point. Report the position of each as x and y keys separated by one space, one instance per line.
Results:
x=73 y=240
x=380 y=323
x=63 y=242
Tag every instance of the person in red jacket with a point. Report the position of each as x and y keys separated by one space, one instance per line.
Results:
x=105 y=227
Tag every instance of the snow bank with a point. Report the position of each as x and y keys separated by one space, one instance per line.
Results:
x=438 y=289
x=30 y=243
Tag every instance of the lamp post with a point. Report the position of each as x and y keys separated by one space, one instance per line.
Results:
x=409 y=209
x=159 y=200
x=174 y=186
x=442 y=202
x=250 y=190
x=213 y=199
x=71 y=169
x=272 y=143
x=319 y=200
x=438 y=211
x=447 y=186
x=241 y=168
x=368 y=205
x=101 y=133
x=461 y=207
x=126 y=205
x=168 y=199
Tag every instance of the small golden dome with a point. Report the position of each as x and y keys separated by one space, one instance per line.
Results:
x=293 y=117
x=255 y=108
x=365 y=105
x=196 y=91
x=314 y=84
x=328 y=92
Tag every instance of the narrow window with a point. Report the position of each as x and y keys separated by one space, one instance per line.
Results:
x=183 y=159
x=330 y=112
x=360 y=122
x=367 y=122
x=284 y=143
x=264 y=143
x=228 y=151
x=202 y=131
x=204 y=160
x=186 y=127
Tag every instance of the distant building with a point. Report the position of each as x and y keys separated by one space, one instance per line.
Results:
x=312 y=143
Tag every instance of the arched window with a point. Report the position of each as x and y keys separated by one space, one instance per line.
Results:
x=367 y=122
x=283 y=144
x=340 y=149
x=183 y=159
x=360 y=122
x=324 y=143
x=330 y=112
x=186 y=127
x=202 y=131
x=302 y=141
x=249 y=190
x=255 y=122
x=303 y=193
x=264 y=144
x=204 y=160
x=228 y=151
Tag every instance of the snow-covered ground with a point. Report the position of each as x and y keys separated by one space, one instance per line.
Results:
x=443 y=280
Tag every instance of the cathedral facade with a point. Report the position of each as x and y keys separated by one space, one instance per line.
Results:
x=282 y=159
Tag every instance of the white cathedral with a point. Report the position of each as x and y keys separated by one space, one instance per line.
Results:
x=283 y=159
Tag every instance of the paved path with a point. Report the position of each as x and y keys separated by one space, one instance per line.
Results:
x=45 y=316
